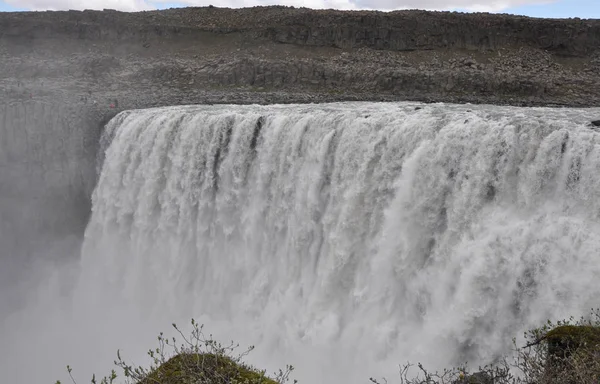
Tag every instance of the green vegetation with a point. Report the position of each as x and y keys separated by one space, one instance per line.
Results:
x=565 y=339
x=197 y=360
x=573 y=354
x=566 y=352
x=207 y=367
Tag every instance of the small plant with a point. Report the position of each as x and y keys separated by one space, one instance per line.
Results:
x=499 y=374
x=196 y=360
x=565 y=352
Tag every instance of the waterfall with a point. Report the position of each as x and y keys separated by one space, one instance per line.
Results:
x=343 y=238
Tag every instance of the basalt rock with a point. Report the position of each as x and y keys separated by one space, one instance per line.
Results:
x=299 y=54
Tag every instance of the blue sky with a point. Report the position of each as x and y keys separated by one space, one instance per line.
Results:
x=585 y=9
x=562 y=8
x=7 y=8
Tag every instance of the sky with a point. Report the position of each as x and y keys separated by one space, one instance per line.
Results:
x=534 y=8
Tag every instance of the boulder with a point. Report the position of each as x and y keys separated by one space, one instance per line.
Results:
x=565 y=340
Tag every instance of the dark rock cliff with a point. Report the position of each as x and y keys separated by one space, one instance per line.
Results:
x=396 y=31
x=196 y=53
x=413 y=30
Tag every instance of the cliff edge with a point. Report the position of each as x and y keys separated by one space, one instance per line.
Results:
x=287 y=54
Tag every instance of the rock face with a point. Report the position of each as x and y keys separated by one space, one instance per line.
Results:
x=284 y=54
x=410 y=30
x=395 y=31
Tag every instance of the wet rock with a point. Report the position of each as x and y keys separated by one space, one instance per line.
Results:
x=596 y=123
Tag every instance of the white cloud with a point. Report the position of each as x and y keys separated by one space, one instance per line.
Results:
x=137 y=5
x=55 y=5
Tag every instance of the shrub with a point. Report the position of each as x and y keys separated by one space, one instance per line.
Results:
x=565 y=352
x=204 y=368
x=197 y=360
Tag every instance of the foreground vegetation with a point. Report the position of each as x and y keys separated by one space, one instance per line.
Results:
x=565 y=352
x=196 y=359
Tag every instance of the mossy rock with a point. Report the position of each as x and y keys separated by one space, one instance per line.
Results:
x=206 y=368
x=573 y=354
x=564 y=340
x=475 y=378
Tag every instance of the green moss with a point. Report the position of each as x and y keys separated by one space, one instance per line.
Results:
x=564 y=340
x=207 y=368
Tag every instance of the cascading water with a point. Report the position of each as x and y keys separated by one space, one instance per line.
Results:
x=342 y=238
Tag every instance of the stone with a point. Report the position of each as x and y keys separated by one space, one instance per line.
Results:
x=394 y=56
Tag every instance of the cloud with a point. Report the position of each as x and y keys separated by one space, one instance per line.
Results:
x=56 y=5
x=138 y=5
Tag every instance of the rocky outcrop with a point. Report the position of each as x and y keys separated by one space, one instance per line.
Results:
x=396 y=31
x=196 y=53
x=414 y=30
